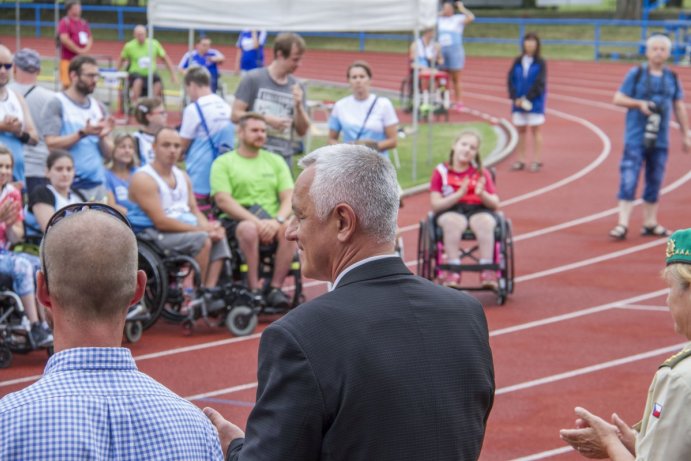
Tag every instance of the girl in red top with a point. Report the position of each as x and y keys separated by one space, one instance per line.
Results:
x=462 y=195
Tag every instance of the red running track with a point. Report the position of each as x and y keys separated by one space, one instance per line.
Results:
x=586 y=324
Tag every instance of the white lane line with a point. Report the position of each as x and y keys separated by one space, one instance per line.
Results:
x=196 y=347
x=590 y=261
x=643 y=307
x=227 y=390
x=579 y=313
x=154 y=355
x=590 y=369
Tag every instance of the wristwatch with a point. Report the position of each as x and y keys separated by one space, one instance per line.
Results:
x=280 y=219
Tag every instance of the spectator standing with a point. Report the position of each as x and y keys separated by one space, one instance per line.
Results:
x=16 y=125
x=135 y=57
x=364 y=118
x=92 y=402
x=250 y=53
x=450 y=27
x=663 y=431
x=76 y=121
x=27 y=67
x=74 y=38
x=273 y=92
x=151 y=115
x=650 y=93
x=340 y=377
x=206 y=132
x=253 y=188
x=204 y=56
x=527 y=82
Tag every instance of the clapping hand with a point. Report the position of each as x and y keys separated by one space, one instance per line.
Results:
x=9 y=212
x=12 y=125
x=480 y=186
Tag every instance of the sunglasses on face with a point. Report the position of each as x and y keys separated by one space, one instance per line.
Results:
x=69 y=210
x=6 y=65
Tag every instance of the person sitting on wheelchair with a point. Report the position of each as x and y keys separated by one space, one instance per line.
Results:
x=16 y=266
x=462 y=195
x=253 y=189
x=165 y=213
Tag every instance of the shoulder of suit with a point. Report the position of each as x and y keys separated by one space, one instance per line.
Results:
x=677 y=358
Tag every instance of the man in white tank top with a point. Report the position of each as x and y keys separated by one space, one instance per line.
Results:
x=16 y=125
x=167 y=213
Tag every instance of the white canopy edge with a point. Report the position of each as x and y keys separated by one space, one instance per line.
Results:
x=294 y=15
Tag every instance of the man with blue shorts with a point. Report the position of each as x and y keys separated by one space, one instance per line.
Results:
x=649 y=92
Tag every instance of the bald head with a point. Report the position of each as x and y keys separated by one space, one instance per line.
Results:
x=139 y=33
x=91 y=265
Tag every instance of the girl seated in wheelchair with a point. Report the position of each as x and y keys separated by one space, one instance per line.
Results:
x=463 y=195
x=17 y=266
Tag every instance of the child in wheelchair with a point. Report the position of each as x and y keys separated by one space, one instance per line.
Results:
x=463 y=196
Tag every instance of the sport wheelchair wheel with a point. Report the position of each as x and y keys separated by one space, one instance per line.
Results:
x=426 y=254
x=507 y=258
x=156 y=284
x=133 y=331
x=178 y=269
x=241 y=320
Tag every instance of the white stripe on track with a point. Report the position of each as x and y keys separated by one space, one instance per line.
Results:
x=579 y=313
x=545 y=454
x=590 y=261
x=227 y=390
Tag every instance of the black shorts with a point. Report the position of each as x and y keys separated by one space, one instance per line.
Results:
x=135 y=76
x=467 y=210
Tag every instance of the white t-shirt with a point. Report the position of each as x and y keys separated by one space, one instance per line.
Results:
x=348 y=115
x=450 y=30
x=526 y=62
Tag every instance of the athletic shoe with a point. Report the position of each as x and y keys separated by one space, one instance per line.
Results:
x=488 y=279
x=276 y=298
x=41 y=335
x=451 y=279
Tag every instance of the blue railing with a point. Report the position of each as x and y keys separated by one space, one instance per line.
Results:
x=678 y=30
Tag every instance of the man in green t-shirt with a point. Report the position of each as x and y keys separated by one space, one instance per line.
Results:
x=135 y=54
x=253 y=188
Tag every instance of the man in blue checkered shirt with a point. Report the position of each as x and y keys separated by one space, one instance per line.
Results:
x=92 y=403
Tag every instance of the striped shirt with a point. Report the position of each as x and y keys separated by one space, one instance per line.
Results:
x=93 y=404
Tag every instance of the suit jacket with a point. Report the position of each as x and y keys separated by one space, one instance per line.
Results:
x=388 y=366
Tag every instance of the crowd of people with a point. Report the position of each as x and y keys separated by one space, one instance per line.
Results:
x=69 y=182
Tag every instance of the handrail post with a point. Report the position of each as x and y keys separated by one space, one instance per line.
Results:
x=597 y=41
x=521 y=33
x=121 y=25
x=362 y=42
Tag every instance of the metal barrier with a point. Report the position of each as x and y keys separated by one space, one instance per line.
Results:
x=678 y=30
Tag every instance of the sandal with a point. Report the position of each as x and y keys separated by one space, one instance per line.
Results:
x=655 y=231
x=619 y=232
x=517 y=166
x=535 y=166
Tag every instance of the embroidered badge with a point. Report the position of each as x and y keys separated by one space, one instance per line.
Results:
x=657 y=410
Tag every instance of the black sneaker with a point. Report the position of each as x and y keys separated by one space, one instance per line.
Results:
x=276 y=298
x=41 y=335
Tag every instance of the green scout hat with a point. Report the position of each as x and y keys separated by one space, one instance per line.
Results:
x=679 y=247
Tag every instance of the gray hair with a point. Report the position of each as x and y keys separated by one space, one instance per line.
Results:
x=358 y=176
x=658 y=38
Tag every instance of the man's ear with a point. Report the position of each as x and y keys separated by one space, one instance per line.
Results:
x=346 y=221
x=42 y=290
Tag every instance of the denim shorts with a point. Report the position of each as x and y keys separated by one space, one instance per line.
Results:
x=454 y=57
x=632 y=161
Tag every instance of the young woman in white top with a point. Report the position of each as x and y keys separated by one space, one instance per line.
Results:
x=450 y=28
x=364 y=118
x=151 y=115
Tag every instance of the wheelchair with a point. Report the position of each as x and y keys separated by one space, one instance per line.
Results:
x=430 y=251
x=239 y=271
x=433 y=100
x=229 y=303
x=15 y=328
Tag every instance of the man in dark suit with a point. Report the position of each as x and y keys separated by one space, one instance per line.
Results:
x=387 y=365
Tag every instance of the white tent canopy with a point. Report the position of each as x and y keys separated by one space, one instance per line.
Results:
x=294 y=15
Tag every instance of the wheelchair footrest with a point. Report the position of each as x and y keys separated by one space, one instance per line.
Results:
x=469 y=267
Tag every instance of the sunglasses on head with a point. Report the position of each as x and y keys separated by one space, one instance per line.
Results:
x=69 y=210
x=6 y=65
